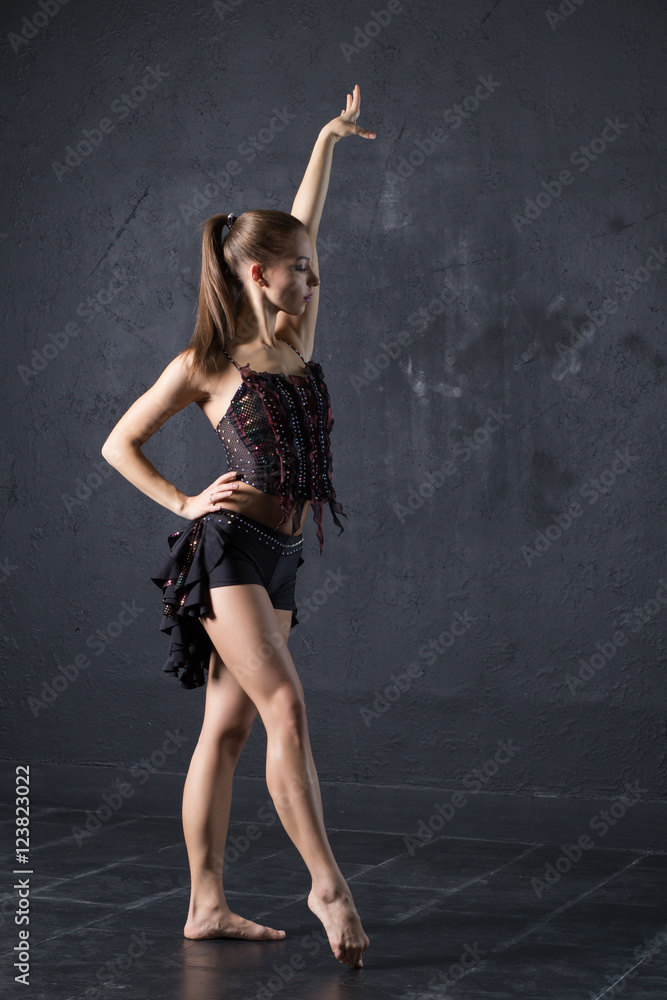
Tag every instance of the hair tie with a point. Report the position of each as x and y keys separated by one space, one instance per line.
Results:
x=231 y=219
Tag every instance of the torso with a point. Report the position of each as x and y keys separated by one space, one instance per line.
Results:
x=221 y=388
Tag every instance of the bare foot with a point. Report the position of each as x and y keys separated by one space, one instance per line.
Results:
x=342 y=923
x=219 y=923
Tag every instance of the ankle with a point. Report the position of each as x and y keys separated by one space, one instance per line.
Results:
x=206 y=900
x=329 y=890
x=204 y=911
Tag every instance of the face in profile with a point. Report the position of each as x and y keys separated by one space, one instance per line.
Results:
x=291 y=279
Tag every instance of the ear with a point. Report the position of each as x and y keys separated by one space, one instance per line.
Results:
x=256 y=274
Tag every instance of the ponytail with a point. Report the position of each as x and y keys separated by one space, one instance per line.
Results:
x=259 y=235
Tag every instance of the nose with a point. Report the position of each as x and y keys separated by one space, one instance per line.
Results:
x=314 y=280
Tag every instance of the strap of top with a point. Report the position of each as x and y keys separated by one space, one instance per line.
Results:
x=230 y=358
x=298 y=352
x=287 y=342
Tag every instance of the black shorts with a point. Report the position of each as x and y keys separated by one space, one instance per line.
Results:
x=258 y=554
x=219 y=550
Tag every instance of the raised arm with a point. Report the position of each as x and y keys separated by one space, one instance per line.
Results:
x=310 y=198
x=308 y=206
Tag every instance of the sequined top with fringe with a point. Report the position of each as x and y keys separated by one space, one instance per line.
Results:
x=276 y=433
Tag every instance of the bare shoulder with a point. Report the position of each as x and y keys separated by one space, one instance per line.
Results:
x=211 y=388
x=178 y=385
x=181 y=371
x=183 y=377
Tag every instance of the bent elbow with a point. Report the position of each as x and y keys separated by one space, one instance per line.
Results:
x=111 y=452
x=105 y=450
x=119 y=450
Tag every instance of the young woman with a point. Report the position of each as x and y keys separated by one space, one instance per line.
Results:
x=228 y=581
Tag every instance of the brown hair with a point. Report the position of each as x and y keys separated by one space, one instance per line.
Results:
x=258 y=235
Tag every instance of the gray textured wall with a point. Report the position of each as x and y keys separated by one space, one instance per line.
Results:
x=474 y=261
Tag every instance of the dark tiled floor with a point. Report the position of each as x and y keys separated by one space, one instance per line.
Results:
x=455 y=919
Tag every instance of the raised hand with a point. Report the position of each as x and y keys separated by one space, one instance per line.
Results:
x=345 y=124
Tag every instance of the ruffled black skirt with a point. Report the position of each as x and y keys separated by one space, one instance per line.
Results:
x=218 y=550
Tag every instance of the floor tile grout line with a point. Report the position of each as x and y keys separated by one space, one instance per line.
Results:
x=71 y=930
x=531 y=847
x=411 y=913
x=184 y=865
x=621 y=978
x=121 y=908
x=72 y=878
x=463 y=885
x=518 y=857
x=70 y=837
x=105 y=868
x=468 y=840
x=50 y=812
x=504 y=945
x=453 y=892
x=496 y=949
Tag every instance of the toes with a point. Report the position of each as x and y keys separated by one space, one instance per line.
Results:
x=272 y=933
x=350 y=958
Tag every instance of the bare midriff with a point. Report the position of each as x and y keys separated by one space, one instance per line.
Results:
x=262 y=507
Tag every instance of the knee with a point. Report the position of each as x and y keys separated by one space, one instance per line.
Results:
x=228 y=740
x=287 y=714
x=233 y=743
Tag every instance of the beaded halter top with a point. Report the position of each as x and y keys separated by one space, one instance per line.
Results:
x=276 y=434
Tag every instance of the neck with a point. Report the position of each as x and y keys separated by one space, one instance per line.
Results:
x=255 y=325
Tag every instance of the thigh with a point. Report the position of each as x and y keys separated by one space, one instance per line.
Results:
x=228 y=708
x=250 y=637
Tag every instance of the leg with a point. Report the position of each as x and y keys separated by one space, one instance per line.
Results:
x=207 y=794
x=243 y=629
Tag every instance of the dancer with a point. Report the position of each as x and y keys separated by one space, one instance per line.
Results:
x=228 y=581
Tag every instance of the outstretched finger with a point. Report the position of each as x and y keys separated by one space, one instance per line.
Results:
x=364 y=133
